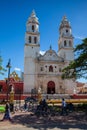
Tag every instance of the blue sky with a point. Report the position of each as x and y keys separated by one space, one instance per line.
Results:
x=13 y=17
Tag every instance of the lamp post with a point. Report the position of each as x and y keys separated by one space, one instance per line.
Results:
x=11 y=99
x=8 y=66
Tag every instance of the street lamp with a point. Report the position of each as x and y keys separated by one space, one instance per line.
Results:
x=8 y=66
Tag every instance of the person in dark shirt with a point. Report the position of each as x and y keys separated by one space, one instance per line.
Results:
x=7 y=112
x=25 y=106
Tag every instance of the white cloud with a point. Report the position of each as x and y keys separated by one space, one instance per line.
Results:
x=18 y=69
x=79 y=37
x=42 y=52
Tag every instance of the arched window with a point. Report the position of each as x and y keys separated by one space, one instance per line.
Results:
x=59 y=69
x=33 y=28
x=65 y=44
x=29 y=39
x=70 y=43
x=66 y=30
x=41 y=68
x=50 y=68
x=35 y=39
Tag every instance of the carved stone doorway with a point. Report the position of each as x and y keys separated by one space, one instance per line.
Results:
x=50 y=87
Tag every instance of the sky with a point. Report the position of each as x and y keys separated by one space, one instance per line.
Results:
x=14 y=15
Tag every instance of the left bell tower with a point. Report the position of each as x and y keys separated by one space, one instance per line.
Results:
x=32 y=36
x=31 y=51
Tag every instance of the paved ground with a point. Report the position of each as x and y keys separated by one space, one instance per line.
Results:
x=28 y=121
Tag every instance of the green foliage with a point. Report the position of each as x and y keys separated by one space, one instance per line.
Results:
x=2 y=70
x=2 y=109
x=78 y=67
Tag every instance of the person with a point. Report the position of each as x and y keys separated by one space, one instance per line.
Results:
x=11 y=107
x=7 y=112
x=25 y=106
x=44 y=103
x=64 y=107
x=70 y=107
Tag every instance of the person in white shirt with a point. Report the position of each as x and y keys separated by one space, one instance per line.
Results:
x=64 y=107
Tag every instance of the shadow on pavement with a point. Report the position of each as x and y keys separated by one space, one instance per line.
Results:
x=73 y=120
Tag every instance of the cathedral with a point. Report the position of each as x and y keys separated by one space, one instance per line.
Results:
x=43 y=71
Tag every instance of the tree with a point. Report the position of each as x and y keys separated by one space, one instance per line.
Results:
x=2 y=70
x=77 y=68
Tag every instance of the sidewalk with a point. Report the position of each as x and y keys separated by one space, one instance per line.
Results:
x=28 y=121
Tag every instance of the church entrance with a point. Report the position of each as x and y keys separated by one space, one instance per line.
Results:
x=50 y=87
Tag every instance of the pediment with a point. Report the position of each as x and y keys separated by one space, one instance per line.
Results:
x=50 y=55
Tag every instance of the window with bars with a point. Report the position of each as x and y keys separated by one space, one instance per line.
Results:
x=65 y=44
x=50 y=68
x=70 y=43
x=35 y=39
x=33 y=28
x=29 y=39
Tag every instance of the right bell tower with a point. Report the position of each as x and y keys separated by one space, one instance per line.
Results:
x=65 y=43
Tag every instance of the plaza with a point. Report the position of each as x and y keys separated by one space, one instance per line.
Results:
x=39 y=39
x=29 y=121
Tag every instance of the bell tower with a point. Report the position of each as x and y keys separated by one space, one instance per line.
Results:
x=31 y=51
x=32 y=36
x=65 y=43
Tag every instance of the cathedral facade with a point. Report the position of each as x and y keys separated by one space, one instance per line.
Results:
x=44 y=71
